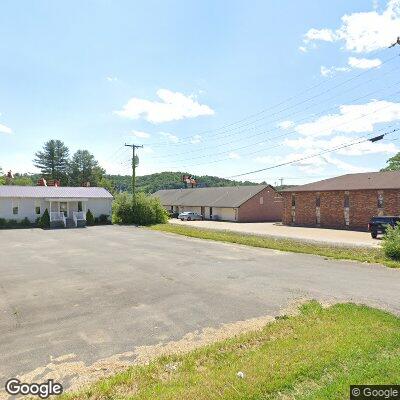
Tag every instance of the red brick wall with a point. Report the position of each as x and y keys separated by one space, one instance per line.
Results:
x=270 y=210
x=363 y=206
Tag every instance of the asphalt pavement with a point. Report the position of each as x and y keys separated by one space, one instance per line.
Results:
x=69 y=298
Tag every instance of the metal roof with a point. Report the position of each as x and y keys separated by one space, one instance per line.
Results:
x=54 y=192
x=227 y=196
x=363 y=181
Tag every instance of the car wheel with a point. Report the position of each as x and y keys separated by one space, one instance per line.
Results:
x=374 y=235
x=181 y=219
x=188 y=218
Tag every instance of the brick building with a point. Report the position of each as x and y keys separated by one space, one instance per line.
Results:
x=237 y=203
x=347 y=201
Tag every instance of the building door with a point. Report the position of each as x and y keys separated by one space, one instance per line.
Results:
x=203 y=212
x=64 y=208
x=211 y=213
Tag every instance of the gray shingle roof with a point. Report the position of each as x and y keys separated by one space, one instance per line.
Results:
x=211 y=196
x=363 y=181
x=54 y=192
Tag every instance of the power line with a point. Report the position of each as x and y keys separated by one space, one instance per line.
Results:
x=295 y=132
x=288 y=133
x=277 y=105
x=311 y=156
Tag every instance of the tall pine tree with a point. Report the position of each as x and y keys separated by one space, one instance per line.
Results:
x=84 y=168
x=53 y=160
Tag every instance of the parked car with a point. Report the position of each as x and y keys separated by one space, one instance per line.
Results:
x=190 y=216
x=378 y=224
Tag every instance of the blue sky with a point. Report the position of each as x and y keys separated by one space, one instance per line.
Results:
x=177 y=76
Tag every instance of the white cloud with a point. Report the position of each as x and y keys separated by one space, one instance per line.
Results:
x=364 y=63
x=233 y=156
x=173 y=106
x=326 y=35
x=172 y=138
x=352 y=118
x=195 y=139
x=311 y=166
x=139 y=134
x=303 y=49
x=112 y=78
x=362 y=32
x=325 y=71
x=5 y=129
x=285 y=124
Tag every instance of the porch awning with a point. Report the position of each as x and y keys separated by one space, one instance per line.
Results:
x=63 y=199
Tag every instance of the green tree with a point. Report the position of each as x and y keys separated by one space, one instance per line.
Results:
x=21 y=180
x=393 y=163
x=84 y=168
x=52 y=160
x=2 y=179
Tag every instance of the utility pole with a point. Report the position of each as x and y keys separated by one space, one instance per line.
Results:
x=281 y=179
x=133 y=165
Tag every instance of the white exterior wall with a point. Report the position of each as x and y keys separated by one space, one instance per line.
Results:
x=224 y=213
x=27 y=207
x=99 y=206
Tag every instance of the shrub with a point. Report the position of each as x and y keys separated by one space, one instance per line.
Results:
x=89 y=218
x=140 y=210
x=25 y=223
x=103 y=219
x=44 y=220
x=3 y=223
x=391 y=242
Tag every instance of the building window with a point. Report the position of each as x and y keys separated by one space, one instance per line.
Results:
x=261 y=200
x=15 y=207
x=293 y=200
x=380 y=200
x=37 y=207
x=80 y=206
x=346 y=200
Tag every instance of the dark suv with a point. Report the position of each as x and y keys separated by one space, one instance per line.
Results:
x=378 y=224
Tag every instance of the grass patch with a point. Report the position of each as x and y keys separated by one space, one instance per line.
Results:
x=362 y=254
x=315 y=355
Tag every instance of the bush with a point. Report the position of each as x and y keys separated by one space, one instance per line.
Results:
x=25 y=223
x=44 y=220
x=140 y=210
x=89 y=218
x=3 y=223
x=103 y=219
x=391 y=242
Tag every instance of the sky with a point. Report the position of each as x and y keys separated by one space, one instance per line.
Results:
x=207 y=87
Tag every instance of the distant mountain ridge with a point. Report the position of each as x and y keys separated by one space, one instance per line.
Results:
x=170 y=180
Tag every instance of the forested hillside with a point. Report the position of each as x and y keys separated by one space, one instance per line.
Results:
x=168 y=180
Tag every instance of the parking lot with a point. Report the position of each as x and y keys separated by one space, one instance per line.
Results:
x=335 y=237
x=79 y=303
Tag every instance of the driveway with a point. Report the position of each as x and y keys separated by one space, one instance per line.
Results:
x=328 y=236
x=76 y=303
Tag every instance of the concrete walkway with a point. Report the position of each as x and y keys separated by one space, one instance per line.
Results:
x=330 y=236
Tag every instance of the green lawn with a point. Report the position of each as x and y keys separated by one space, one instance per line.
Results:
x=369 y=255
x=315 y=355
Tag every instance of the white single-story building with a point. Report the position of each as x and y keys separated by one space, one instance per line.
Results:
x=66 y=205
x=256 y=203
